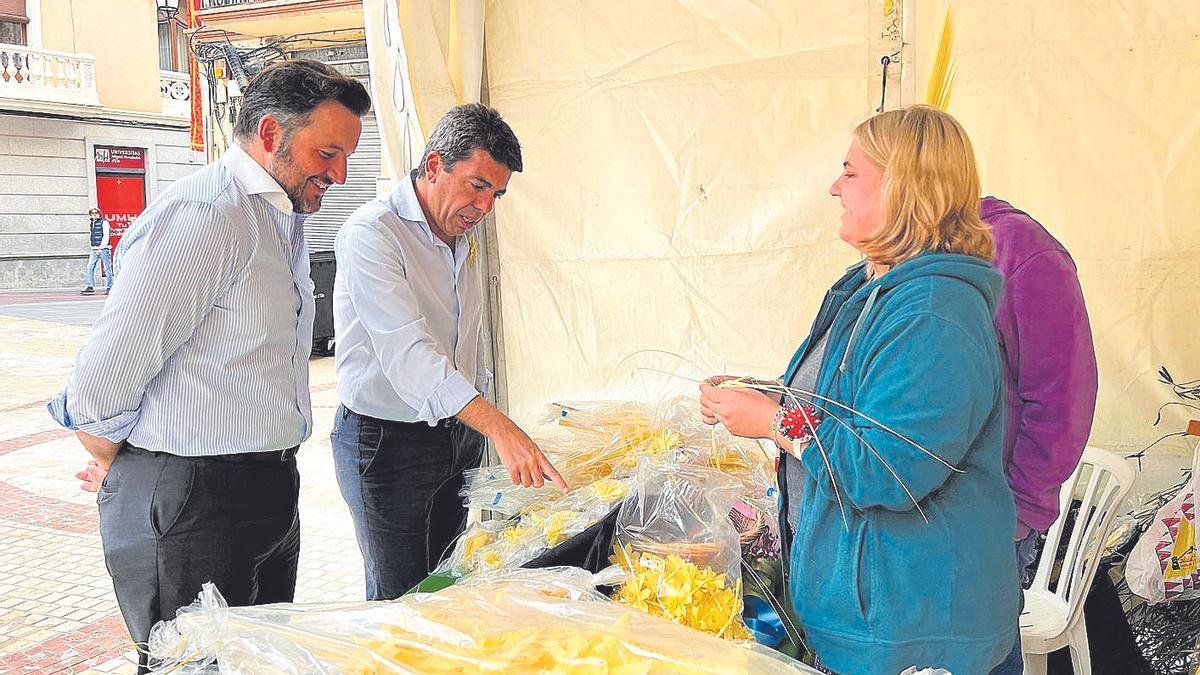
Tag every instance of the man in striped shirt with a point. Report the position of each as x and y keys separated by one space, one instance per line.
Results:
x=192 y=393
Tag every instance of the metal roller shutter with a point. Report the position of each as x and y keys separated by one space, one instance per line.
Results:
x=341 y=200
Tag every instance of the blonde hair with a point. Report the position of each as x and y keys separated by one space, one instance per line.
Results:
x=930 y=186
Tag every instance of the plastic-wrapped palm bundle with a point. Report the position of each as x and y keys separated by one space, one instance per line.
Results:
x=523 y=621
x=615 y=444
x=505 y=544
x=491 y=488
x=676 y=540
x=581 y=460
x=596 y=453
x=597 y=449
x=590 y=441
x=599 y=418
x=755 y=511
x=607 y=438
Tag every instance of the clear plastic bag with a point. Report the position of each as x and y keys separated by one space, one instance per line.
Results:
x=682 y=509
x=491 y=488
x=675 y=538
x=596 y=449
x=755 y=512
x=1164 y=564
x=598 y=418
x=505 y=544
x=523 y=621
x=581 y=461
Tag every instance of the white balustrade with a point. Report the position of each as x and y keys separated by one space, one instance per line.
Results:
x=43 y=75
x=176 y=93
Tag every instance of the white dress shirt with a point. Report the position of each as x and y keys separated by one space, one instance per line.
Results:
x=408 y=314
x=202 y=347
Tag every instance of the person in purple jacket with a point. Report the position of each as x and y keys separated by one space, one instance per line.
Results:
x=1050 y=373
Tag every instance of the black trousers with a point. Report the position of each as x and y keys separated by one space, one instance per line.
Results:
x=401 y=481
x=169 y=524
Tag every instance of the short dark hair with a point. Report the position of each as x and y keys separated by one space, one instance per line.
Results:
x=470 y=127
x=290 y=90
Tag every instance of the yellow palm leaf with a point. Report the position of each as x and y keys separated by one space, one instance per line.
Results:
x=941 y=76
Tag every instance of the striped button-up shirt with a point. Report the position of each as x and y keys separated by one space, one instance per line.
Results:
x=408 y=313
x=202 y=348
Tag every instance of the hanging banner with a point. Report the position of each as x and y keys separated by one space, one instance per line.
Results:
x=197 y=125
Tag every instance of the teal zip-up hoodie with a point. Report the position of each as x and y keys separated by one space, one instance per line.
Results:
x=880 y=590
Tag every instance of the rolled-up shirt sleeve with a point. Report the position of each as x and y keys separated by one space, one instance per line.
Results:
x=176 y=264
x=420 y=373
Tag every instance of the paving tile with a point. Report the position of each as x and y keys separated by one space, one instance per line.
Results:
x=18 y=645
x=41 y=634
x=112 y=665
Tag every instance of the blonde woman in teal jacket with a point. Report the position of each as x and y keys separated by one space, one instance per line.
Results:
x=900 y=514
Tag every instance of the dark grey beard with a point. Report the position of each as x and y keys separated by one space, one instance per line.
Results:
x=296 y=197
x=295 y=193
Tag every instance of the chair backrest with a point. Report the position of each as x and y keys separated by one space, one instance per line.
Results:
x=1108 y=480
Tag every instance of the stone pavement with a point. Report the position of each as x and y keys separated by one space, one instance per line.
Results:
x=57 y=609
x=64 y=305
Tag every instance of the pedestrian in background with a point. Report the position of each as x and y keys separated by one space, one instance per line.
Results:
x=100 y=235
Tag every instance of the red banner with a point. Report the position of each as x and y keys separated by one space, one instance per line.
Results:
x=197 y=127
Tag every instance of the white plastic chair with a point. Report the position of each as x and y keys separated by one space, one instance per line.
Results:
x=1053 y=619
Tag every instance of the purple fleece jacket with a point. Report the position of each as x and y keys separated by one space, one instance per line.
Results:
x=1050 y=363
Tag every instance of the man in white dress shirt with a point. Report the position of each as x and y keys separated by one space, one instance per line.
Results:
x=408 y=312
x=192 y=393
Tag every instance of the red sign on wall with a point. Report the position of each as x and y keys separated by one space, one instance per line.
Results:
x=122 y=199
x=120 y=186
x=110 y=157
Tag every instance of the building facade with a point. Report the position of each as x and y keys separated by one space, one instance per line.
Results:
x=263 y=31
x=94 y=111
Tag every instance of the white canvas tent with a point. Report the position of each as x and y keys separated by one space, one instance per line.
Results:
x=678 y=156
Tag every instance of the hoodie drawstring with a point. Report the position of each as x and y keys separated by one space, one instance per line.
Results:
x=858 y=323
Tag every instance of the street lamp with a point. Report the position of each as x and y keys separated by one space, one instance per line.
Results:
x=167 y=9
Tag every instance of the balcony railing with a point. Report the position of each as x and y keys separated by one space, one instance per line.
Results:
x=176 y=93
x=45 y=76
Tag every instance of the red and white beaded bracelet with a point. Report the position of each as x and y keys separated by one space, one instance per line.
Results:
x=796 y=424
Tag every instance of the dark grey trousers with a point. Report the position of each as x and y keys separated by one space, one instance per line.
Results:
x=401 y=481
x=169 y=524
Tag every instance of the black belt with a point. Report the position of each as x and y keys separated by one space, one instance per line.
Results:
x=271 y=456
x=275 y=456
x=445 y=423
